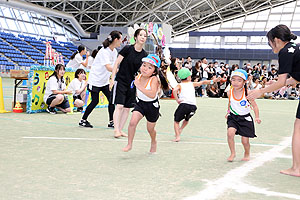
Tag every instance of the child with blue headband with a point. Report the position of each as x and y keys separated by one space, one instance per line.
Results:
x=147 y=88
x=239 y=120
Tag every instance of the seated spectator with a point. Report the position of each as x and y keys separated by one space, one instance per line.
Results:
x=78 y=86
x=56 y=90
x=213 y=90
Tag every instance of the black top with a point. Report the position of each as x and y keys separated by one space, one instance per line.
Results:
x=130 y=64
x=289 y=60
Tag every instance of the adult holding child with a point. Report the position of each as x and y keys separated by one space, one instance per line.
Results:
x=100 y=74
x=288 y=52
x=124 y=94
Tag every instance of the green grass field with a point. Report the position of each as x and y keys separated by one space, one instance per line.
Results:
x=47 y=156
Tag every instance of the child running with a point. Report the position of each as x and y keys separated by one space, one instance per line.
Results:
x=239 y=120
x=78 y=86
x=184 y=94
x=147 y=88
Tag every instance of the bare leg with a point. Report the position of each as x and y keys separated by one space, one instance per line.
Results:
x=295 y=169
x=177 y=131
x=58 y=100
x=183 y=125
x=152 y=132
x=246 y=144
x=117 y=118
x=136 y=117
x=123 y=120
x=230 y=139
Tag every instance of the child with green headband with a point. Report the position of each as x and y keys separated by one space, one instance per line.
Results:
x=184 y=94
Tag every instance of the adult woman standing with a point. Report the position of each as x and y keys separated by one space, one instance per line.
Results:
x=100 y=74
x=289 y=64
x=130 y=60
x=76 y=60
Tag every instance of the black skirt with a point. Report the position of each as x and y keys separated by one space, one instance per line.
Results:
x=243 y=124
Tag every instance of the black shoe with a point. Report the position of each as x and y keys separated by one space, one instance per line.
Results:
x=51 y=110
x=80 y=109
x=85 y=123
x=111 y=124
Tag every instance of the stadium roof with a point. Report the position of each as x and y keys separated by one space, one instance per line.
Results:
x=183 y=15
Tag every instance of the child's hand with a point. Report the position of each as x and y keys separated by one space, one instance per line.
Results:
x=257 y=120
x=179 y=101
x=226 y=116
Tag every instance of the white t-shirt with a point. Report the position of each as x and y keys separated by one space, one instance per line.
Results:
x=53 y=84
x=99 y=75
x=76 y=62
x=205 y=74
x=75 y=85
x=187 y=93
x=90 y=62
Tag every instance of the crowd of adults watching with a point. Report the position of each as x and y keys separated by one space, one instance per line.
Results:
x=259 y=76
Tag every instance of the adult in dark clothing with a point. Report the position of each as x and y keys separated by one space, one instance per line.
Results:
x=130 y=60
x=288 y=52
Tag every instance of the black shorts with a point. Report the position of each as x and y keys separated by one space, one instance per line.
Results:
x=76 y=96
x=298 y=111
x=243 y=124
x=65 y=104
x=149 y=109
x=184 y=111
x=124 y=94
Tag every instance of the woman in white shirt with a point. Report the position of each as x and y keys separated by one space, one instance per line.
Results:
x=77 y=86
x=76 y=60
x=55 y=91
x=92 y=58
x=100 y=74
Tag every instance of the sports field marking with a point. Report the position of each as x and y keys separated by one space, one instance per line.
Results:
x=234 y=178
x=136 y=140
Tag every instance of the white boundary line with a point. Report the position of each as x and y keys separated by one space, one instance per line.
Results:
x=234 y=178
x=124 y=140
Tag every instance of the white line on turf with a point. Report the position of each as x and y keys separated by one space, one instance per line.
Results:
x=234 y=178
x=124 y=140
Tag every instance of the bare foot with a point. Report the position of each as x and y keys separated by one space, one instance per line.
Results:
x=231 y=158
x=123 y=134
x=153 y=147
x=246 y=158
x=127 y=148
x=117 y=134
x=177 y=139
x=291 y=172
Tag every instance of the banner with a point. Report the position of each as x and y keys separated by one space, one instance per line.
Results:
x=38 y=77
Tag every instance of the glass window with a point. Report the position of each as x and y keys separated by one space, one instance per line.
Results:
x=260 y=25
x=24 y=15
x=11 y=24
x=6 y=12
x=22 y=26
x=30 y=27
x=295 y=24
x=3 y=23
x=39 y=29
x=249 y=25
x=287 y=17
x=46 y=31
x=251 y=17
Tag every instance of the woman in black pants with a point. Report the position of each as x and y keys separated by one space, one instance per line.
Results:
x=100 y=74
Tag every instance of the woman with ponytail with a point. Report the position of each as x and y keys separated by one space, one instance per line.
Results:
x=76 y=60
x=289 y=64
x=130 y=60
x=100 y=74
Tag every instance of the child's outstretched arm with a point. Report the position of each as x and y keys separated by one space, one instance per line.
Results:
x=256 y=111
x=214 y=80
x=176 y=91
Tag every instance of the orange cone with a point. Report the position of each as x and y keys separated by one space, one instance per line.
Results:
x=17 y=108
